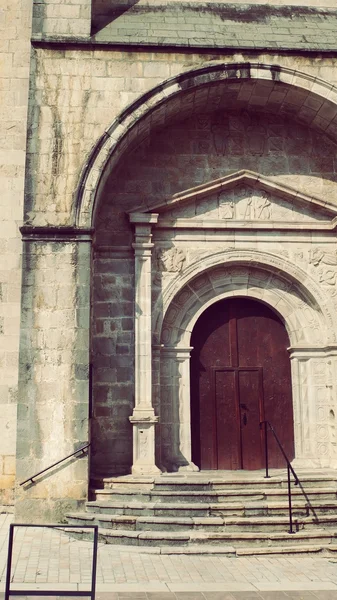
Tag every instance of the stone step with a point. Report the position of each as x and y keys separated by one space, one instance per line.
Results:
x=195 y=509
x=233 y=484
x=216 y=524
x=301 y=549
x=201 y=483
x=313 y=548
x=223 y=513
x=211 y=496
x=232 y=542
x=275 y=545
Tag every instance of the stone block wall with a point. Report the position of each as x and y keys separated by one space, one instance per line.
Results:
x=53 y=407
x=15 y=29
x=69 y=18
x=112 y=358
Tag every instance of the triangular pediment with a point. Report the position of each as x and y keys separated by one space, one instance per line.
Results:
x=245 y=197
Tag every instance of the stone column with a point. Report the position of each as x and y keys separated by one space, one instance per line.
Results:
x=176 y=408
x=143 y=418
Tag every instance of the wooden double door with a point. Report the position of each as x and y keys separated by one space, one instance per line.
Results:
x=240 y=375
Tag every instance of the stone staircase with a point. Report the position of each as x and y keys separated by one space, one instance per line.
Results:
x=233 y=513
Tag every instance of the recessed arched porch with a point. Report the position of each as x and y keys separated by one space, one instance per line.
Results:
x=111 y=188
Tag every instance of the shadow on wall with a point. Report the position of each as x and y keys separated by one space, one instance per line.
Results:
x=104 y=12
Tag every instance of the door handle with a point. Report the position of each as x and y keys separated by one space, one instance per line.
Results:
x=244 y=419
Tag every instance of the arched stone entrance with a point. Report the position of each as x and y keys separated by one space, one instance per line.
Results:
x=305 y=321
x=240 y=376
x=227 y=188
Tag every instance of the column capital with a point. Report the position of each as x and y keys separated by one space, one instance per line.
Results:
x=139 y=218
x=180 y=353
x=143 y=231
x=142 y=249
x=306 y=351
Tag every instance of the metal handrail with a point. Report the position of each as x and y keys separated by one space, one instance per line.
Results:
x=290 y=469
x=55 y=464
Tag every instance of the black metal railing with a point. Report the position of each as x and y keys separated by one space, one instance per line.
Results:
x=290 y=470
x=58 y=462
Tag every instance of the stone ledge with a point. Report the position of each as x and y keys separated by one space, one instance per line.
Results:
x=52 y=233
x=201 y=44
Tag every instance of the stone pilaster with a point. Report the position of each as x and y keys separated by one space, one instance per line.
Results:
x=315 y=407
x=143 y=418
x=176 y=423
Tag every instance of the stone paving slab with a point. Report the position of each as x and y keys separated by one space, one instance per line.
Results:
x=203 y=595
x=47 y=560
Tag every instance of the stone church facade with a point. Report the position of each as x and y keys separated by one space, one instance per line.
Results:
x=158 y=160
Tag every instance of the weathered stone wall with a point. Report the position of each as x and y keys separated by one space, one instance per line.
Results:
x=69 y=18
x=15 y=31
x=53 y=408
x=112 y=362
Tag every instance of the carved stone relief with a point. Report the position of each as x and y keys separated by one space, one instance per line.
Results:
x=322 y=259
x=171 y=260
x=320 y=256
x=247 y=203
x=220 y=134
x=256 y=133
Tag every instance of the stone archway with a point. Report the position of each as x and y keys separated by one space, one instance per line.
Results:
x=313 y=102
x=113 y=276
x=307 y=328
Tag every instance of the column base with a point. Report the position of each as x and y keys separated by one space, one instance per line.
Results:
x=190 y=468
x=305 y=463
x=143 y=443
x=139 y=470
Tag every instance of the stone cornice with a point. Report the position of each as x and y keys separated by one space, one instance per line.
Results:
x=55 y=234
x=83 y=44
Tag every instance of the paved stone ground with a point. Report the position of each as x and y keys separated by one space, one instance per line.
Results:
x=46 y=559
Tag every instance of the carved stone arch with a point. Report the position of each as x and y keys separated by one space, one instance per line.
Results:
x=292 y=294
x=176 y=96
x=289 y=304
x=195 y=285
